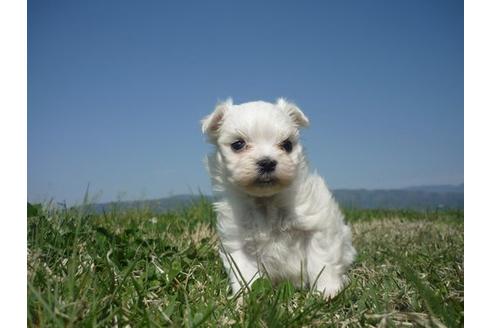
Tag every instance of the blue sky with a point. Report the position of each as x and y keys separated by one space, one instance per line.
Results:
x=116 y=90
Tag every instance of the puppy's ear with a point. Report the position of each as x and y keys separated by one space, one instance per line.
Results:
x=211 y=123
x=297 y=116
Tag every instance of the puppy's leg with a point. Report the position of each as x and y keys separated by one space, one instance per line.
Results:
x=325 y=268
x=242 y=270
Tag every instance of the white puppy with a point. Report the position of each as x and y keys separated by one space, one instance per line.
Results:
x=274 y=217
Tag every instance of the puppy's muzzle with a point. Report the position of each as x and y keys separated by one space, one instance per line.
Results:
x=266 y=165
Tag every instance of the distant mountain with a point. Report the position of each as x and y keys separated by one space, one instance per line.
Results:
x=438 y=188
x=419 y=198
x=400 y=199
x=155 y=205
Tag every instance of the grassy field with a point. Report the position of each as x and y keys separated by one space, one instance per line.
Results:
x=140 y=269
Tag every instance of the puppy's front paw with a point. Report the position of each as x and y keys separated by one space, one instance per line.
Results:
x=330 y=293
x=333 y=288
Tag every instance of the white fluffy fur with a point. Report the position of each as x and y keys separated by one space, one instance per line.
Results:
x=290 y=229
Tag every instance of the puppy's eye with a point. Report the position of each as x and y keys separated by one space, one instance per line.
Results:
x=286 y=145
x=238 y=145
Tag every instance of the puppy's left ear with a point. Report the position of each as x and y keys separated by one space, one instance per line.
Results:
x=212 y=122
x=297 y=116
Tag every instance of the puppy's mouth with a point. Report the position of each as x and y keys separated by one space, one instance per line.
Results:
x=265 y=180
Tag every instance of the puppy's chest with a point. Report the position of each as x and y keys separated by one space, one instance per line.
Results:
x=271 y=235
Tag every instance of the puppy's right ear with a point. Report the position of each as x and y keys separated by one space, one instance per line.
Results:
x=212 y=123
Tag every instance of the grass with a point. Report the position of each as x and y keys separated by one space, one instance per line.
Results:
x=136 y=268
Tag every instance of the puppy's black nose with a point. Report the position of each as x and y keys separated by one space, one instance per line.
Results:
x=266 y=165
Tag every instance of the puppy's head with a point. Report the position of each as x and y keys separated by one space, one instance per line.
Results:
x=258 y=147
